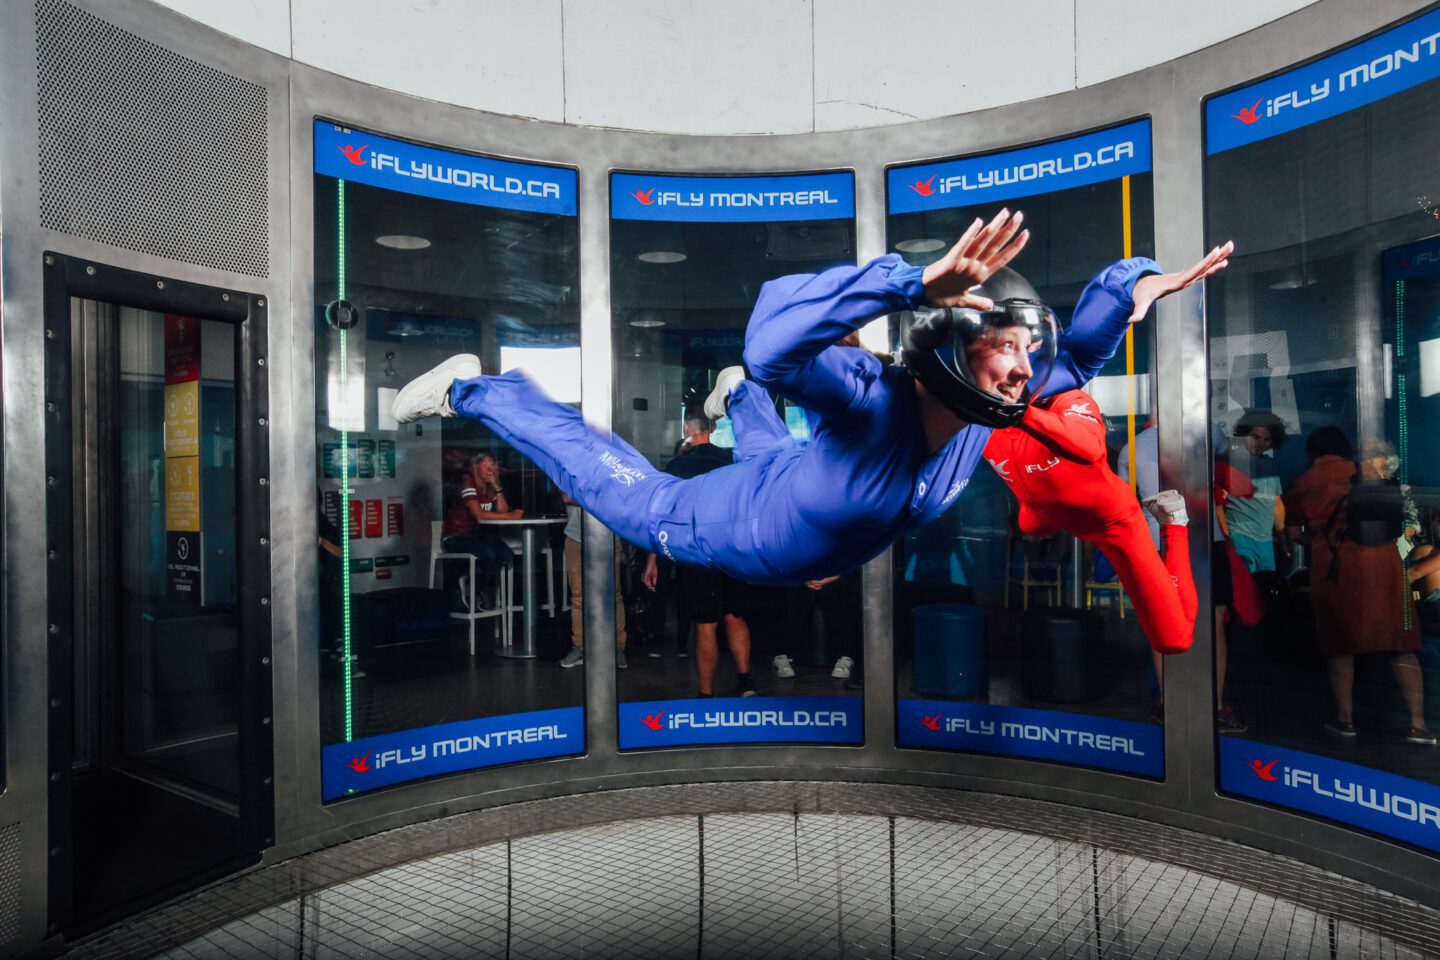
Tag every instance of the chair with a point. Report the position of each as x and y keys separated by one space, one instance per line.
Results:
x=1039 y=570
x=1112 y=587
x=503 y=605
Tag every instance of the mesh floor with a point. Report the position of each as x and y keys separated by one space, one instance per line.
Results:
x=933 y=874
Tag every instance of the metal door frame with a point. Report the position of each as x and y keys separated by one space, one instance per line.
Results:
x=70 y=277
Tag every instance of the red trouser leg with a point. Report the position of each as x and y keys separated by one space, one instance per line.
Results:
x=1163 y=591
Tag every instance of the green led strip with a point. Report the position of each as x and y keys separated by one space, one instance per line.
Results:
x=346 y=658
x=1402 y=439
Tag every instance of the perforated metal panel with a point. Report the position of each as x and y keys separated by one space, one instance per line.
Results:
x=144 y=149
x=9 y=883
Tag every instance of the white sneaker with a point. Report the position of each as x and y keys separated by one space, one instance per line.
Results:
x=842 y=668
x=783 y=669
x=428 y=395
x=1167 y=507
x=465 y=592
x=717 y=404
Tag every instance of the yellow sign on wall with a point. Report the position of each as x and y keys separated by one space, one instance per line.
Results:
x=182 y=419
x=182 y=493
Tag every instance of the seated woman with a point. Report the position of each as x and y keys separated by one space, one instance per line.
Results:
x=480 y=497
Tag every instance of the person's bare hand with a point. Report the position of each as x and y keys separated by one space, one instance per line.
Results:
x=652 y=574
x=1152 y=288
x=983 y=249
x=817 y=584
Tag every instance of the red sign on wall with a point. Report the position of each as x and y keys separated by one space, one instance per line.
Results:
x=374 y=518
x=357 y=507
x=182 y=349
x=395 y=517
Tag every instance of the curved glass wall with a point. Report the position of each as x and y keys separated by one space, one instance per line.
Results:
x=1324 y=360
x=442 y=590
x=1013 y=636
x=712 y=660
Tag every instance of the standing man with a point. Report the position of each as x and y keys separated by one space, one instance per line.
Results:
x=706 y=596
x=574 y=524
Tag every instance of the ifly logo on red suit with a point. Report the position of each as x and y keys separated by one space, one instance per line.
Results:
x=722 y=717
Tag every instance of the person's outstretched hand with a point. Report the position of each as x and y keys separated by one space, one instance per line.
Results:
x=985 y=248
x=1152 y=288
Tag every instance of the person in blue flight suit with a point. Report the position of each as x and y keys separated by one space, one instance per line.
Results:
x=891 y=446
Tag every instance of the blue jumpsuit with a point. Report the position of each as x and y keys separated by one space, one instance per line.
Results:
x=787 y=511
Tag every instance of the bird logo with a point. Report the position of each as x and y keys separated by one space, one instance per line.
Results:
x=923 y=187
x=932 y=723
x=355 y=155
x=1264 y=770
x=1248 y=115
x=653 y=722
x=644 y=196
x=359 y=764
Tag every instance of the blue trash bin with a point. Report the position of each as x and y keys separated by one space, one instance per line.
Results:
x=950 y=655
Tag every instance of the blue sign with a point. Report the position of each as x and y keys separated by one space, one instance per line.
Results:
x=1418 y=259
x=443 y=174
x=816 y=196
x=1385 y=803
x=674 y=723
x=392 y=758
x=1386 y=64
x=1073 y=162
x=1077 y=738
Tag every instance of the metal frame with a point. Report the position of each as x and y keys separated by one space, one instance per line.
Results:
x=1170 y=94
x=67 y=278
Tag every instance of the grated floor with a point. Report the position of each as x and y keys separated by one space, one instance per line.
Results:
x=937 y=878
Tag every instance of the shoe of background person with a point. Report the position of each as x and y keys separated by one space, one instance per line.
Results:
x=1341 y=728
x=574 y=658
x=783 y=667
x=465 y=591
x=682 y=654
x=1227 y=722
x=1420 y=737
x=717 y=404
x=653 y=651
x=1167 y=507
x=745 y=687
x=620 y=662
x=484 y=600
x=842 y=668
x=428 y=395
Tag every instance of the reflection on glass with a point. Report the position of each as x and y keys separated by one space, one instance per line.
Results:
x=442 y=576
x=1012 y=635
x=1322 y=384
x=688 y=258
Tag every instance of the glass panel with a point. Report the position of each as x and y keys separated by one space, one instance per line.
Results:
x=688 y=258
x=1012 y=635
x=441 y=567
x=177 y=640
x=1323 y=381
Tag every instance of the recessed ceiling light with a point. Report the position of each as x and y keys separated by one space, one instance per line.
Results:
x=662 y=256
x=401 y=241
x=647 y=323
x=923 y=245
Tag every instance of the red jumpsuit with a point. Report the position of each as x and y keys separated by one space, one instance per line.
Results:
x=1054 y=462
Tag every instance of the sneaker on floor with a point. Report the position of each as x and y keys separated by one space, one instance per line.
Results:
x=1227 y=722
x=620 y=662
x=783 y=667
x=1420 y=737
x=1341 y=728
x=653 y=651
x=465 y=592
x=717 y=404
x=428 y=395
x=1167 y=507
x=842 y=668
x=745 y=687
x=574 y=658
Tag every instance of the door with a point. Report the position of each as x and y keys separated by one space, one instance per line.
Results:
x=160 y=746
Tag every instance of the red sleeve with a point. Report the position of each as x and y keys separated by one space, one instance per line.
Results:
x=1072 y=427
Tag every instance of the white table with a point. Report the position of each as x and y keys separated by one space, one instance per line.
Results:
x=528 y=527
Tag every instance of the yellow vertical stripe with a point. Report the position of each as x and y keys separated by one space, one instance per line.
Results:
x=1129 y=343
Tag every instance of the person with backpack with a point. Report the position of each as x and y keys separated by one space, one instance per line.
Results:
x=1351 y=515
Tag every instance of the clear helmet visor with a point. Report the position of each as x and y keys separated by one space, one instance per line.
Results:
x=1007 y=352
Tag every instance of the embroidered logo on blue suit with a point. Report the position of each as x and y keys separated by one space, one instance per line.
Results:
x=1361 y=74
x=392 y=758
x=1073 y=162
x=817 y=196
x=1383 y=802
x=378 y=161
x=673 y=723
x=1042 y=734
